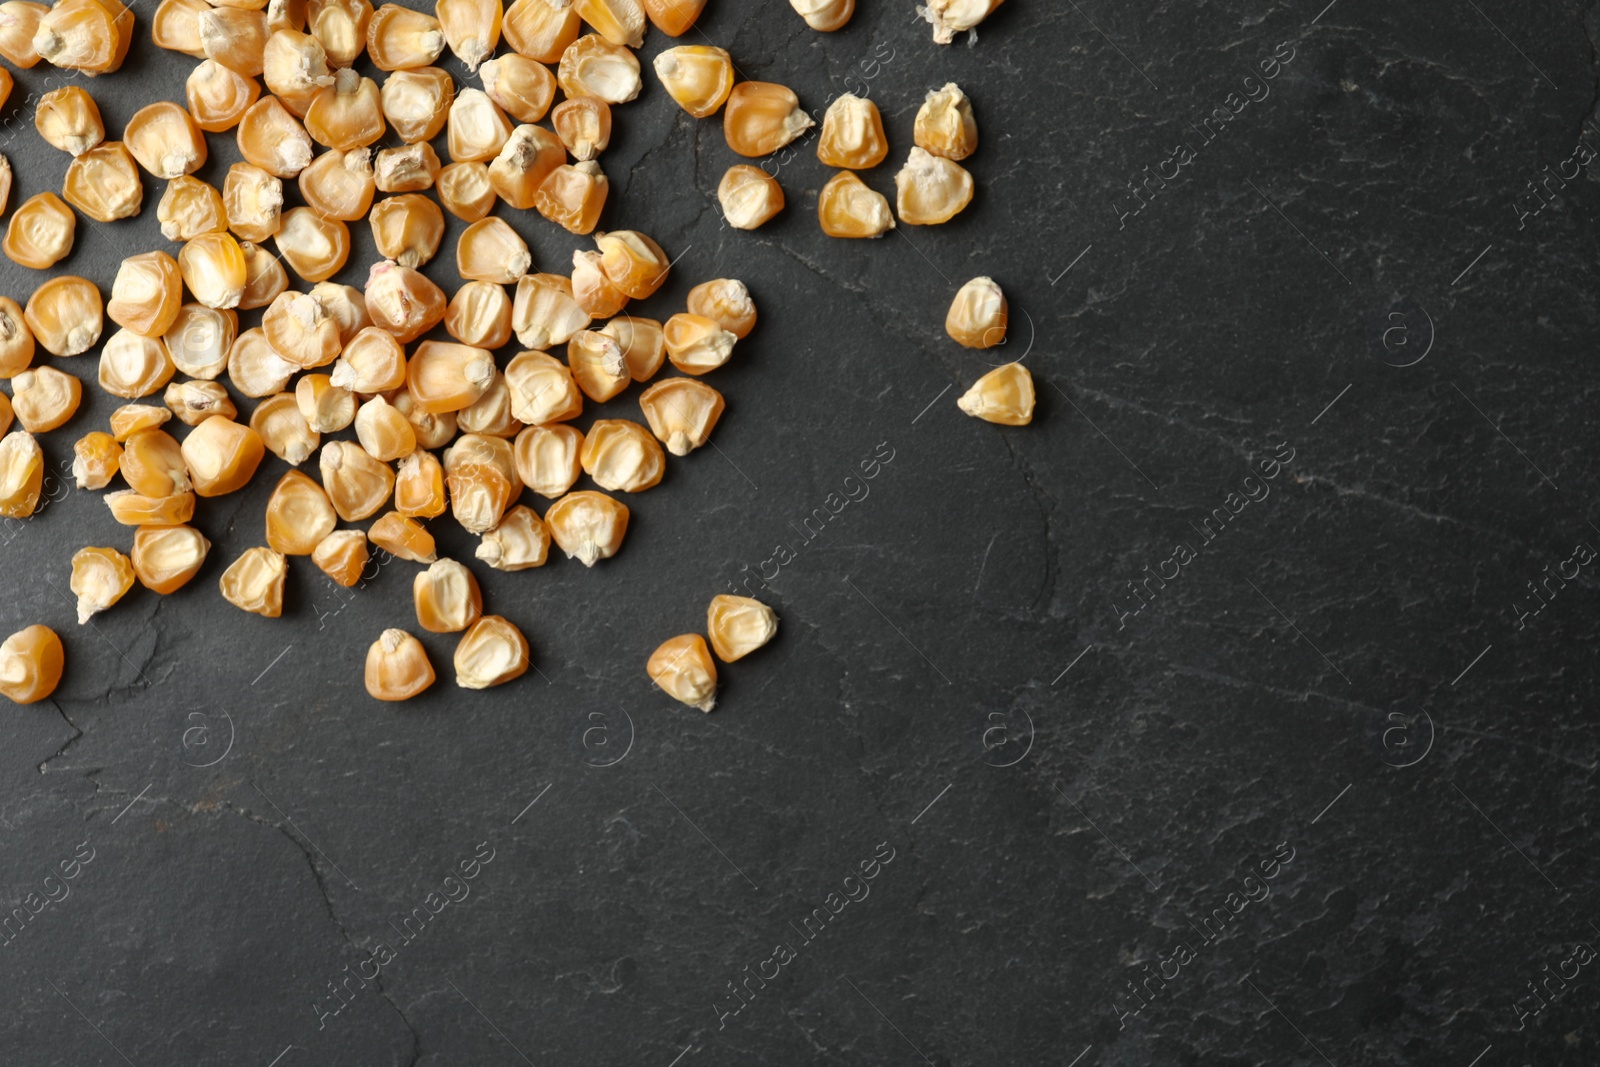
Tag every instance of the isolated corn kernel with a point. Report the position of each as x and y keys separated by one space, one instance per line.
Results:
x=407 y=228
x=190 y=207
x=221 y=455
x=152 y=464
x=634 y=262
x=978 y=315
x=846 y=207
x=68 y=119
x=682 y=666
x=762 y=117
x=681 y=412
x=406 y=170
x=519 y=542
x=416 y=103
x=96 y=457
x=100 y=578
x=16 y=339
x=41 y=232
x=65 y=315
x=164 y=558
x=254 y=582
x=85 y=35
x=314 y=247
x=195 y=402
x=727 y=302
x=19 y=21
x=133 y=509
x=489 y=250
x=175 y=26
x=403 y=537
x=397 y=667
x=593 y=66
x=218 y=96
x=342 y=556
x=479 y=492
x=234 y=37
x=465 y=190
x=950 y=17
x=129 y=419
x=270 y=137
x=299 y=515
x=384 y=432
x=522 y=87
x=824 y=15
x=492 y=652
x=588 y=526
x=572 y=197
x=527 y=158
x=252 y=201
x=347 y=114
x=852 y=134
x=283 y=430
x=622 y=456
x=539 y=29
x=1004 y=396
x=696 y=344
x=31 y=662
x=471 y=27
x=403 y=301
x=103 y=183
x=213 y=267
x=548 y=458
x=446 y=597
x=544 y=311
x=419 y=486
x=165 y=140
x=21 y=474
x=477 y=128
x=373 y=362
x=445 y=377
x=132 y=366
x=738 y=625
x=673 y=17
x=5 y=183
x=200 y=339
x=357 y=484
x=945 y=125
x=931 y=189
x=44 y=398
x=340 y=184
x=597 y=365
x=401 y=39
x=749 y=196
x=698 y=77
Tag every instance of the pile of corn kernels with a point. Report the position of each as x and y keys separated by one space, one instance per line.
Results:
x=501 y=427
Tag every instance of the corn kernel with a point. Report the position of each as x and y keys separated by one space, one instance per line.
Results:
x=683 y=668
x=491 y=413
x=21 y=474
x=419 y=486
x=696 y=344
x=357 y=484
x=944 y=124
x=286 y=15
x=164 y=558
x=544 y=312
x=433 y=429
x=597 y=365
x=234 y=37
x=492 y=652
x=852 y=134
x=200 y=339
x=825 y=15
x=480 y=493
x=100 y=578
x=219 y=96
x=727 y=302
x=698 y=77
x=618 y=21
x=214 y=269
x=152 y=464
x=295 y=66
x=339 y=184
x=299 y=515
x=749 y=196
x=68 y=119
x=548 y=459
x=1003 y=396
x=397 y=666
x=932 y=189
x=519 y=542
x=96 y=457
x=164 y=139
x=254 y=582
x=342 y=556
x=489 y=250
x=254 y=366
x=264 y=277
x=31 y=662
x=446 y=597
x=283 y=430
x=406 y=170
x=347 y=114
x=253 y=202
x=129 y=419
x=403 y=537
x=40 y=233
x=132 y=366
x=950 y=17
x=527 y=158
x=373 y=362
x=5 y=183
x=19 y=21
x=175 y=26
x=221 y=456
x=445 y=377
x=593 y=66
x=522 y=87
x=588 y=526
x=44 y=398
x=384 y=432
x=195 y=402
x=65 y=315
x=300 y=330
x=131 y=509
x=190 y=207
x=465 y=189
x=673 y=17
x=273 y=139
x=16 y=339
x=479 y=315
x=314 y=247
x=103 y=183
x=738 y=625
x=846 y=207
x=542 y=389
x=401 y=39
x=403 y=301
x=346 y=304
x=407 y=229
x=341 y=28
x=681 y=412
x=539 y=29
x=622 y=456
x=635 y=264
x=85 y=35
x=978 y=315
x=644 y=348
x=416 y=103
x=762 y=117
x=572 y=197
x=471 y=28
x=478 y=129
x=591 y=288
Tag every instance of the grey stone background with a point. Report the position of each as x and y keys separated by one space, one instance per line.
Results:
x=1069 y=788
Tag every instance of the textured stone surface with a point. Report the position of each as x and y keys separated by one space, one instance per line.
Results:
x=257 y=825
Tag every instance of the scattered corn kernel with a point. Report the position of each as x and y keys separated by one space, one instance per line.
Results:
x=342 y=556
x=491 y=251
x=548 y=458
x=698 y=77
x=544 y=311
x=300 y=330
x=200 y=339
x=131 y=509
x=416 y=103
x=738 y=625
x=622 y=456
x=477 y=127
x=681 y=412
x=165 y=557
x=403 y=301
x=44 y=398
x=146 y=294
x=132 y=366
x=944 y=124
x=104 y=183
x=152 y=464
x=539 y=29
x=597 y=365
x=270 y=137
x=221 y=455
x=527 y=158
x=1004 y=396
x=683 y=668
x=520 y=541
x=21 y=474
x=129 y=419
x=402 y=536
x=284 y=431
x=339 y=184
x=465 y=189
x=253 y=201
x=299 y=515
x=542 y=389
x=848 y=208
x=68 y=119
x=165 y=140
x=347 y=114
x=762 y=117
x=696 y=344
x=397 y=667
x=978 y=315
x=19 y=21
x=932 y=189
x=41 y=232
x=219 y=96
x=407 y=229
x=100 y=578
x=727 y=301
x=471 y=28
x=593 y=66
x=419 y=486
x=384 y=432
x=357 y=484
x=521 y=86
x=65 y=315
x=326 y=407
x=401 y=39
x=213 y=267
x=618 y=21
x=446 y=597
x=587 y=526
x=195 y=402
x=96 y=457
x=492 y=652
x=572 y=196
x=16 y=339
x=373 y=362
x=673 y=17
x=824 y=15
x=31 y=661
x=950 y=17
x=634 y=263
x=314 y=247
x=479 y=315
x=749 y=196
x=406 y=170
x=254 y=582
x=852 y=134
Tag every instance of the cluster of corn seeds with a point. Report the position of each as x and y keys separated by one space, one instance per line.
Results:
x=682 y=666
x=978 y=318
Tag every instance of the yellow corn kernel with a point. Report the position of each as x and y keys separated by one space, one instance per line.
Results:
x=96 y=457
x=397 y=666
x=65 y=315
x=738 y=625
x=283 y=430
x=491 y=413
x=252 y=200
x=195 y=402
x=340 y=184
x=401 y=39
x=698 y=76
x=479 y=494
x=146 y=294
x=588 y=526
x=357 y=484
x=944 y=124
x=544 y=312
x=593 y=66
x=403 y=301
x=21 y=474
x=931 y=189
x=401 y=536
x=406 y=170
x=727 y=302
x=419 y=486
x=1003 y=396
x=682 y=666
x=681 y=412
x=254 y=582
x=749 y=196
x=68 y=119
x=219 y=96
x=416 y=103
x=87 y=35
x=234 y=37
x=465 y=190
x=950 y=17
x=384 y=432
x=673 y=17
x=479 y=315
x=492 y=652
x=16 y=339
x=175 y=26
x=696 y=344
x=446 y=597
x=548 y=458
x=477 y=128
x=978 y=315
x=347 y=114
x=597 y=365
x=618 y=21
x=221 y=456
x=527 y=158
x=152 y=464
x=129 y=419
x=164 y=558
x=407 y=229
x=300 y=330
x=622 y=456
x=325 y=407
x=471 y=27
x=591 y=288
x=572 y=196
x=762 y=117
x=434 y=430
x=825 y=16
x=273 y=139
x=214 y=269
x=200 y=339
x=190 y=207
x=346 y=304
x=444 y=377
x=132 y=366
x=295 y=66
x=522 y=87
x=131 y=509
x=40 y=233
x=19 y=21
x=264 y=277
x=314 y=247
x=539 y=29
x=852 y=134
x=341 y=27
x=489 y=250
x=164 y=139
x=255 y=368
x=373 y=362
x=846 y=207
x=520 y=541
x=5 y=183
x=103 y=183
x=635 y=264
x=31 y=662
x=342 y=556
x=100 y=578
x=44 y=398
x=299 y=515
x=542 y=389
x=643 y=346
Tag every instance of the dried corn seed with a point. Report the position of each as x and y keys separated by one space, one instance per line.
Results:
x=727 y=301
x=527 y=158
x=588 y=526
x=195 y=402
x=738 y=625
x=254 y=366
x=300 y=330
x=489 y=250
x=479 y=494
x=397 y=666
x=270 y=137
x=465 y=190
x=252 y=200
x=673 y=17
x=19 y=21
x=403 y=301
x=471 y=27
x=314 y=247
x=491 y=413
x=284 y=430
x=852 y=134
x=164 y=139
x=473 y=448
x=944 y=124
x=1003 y=396
x=357 y=484
x=200 y=339
x=407 y=229
x=618 y=21
x=492 y=652
x=539 y=29
x=164 y=558
x=100 y=578
x=346 y=305
x=264 y=277
x=445 y=377
x=347 y=114
x=978 y=315
x=950 y=17
x=132 y=509
x=406 y=170
x=446 y=597
x=478 y=129
x=846 y=207
x=373 y=362
x=544 y=312
x=254 y=582
x=44 y=398
x=403 y=537
x=643 y=346
x=384 y=432
x=221 y=456
x=434 y=430
x=548 y=459
x=681 y=412
x=683 y=668
x=542 y=389
x=299 y=515
x=572 y=197
x=84 y=35
x=21 y=474
x=65 y=315
x=401 y=39
x=213 y=267
x=762 y=117
x=341 y=27
x=749 y=196
x=68 y=119
x=340 y=184
x=342 y=556
x=5 y=183
x=295 y=66
x=104 y=183
x=31 y=662
x=219 y=96
x=597 y=365
x=931 y=189
x=16 y=339
x=417 y=102
x=129 y=419
x=132 y=366
x=592 y=289
x=175 y=26
x=325 y=407
x=96 y=456
x=696 y=344
x=698 y=77
x=41 y=232
x=479 y=315
x=622 y=456
x=419 y=486
x=825 y=15
x=634 y=263
x=522 y=87
x=152 y=464
x=146 y=294
x=520 y=541
x=593 y=66
x=235 y=38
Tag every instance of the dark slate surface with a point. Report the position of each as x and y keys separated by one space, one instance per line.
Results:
x=1068 y=784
